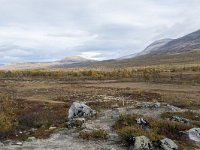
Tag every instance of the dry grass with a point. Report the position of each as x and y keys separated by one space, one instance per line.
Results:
x=186 y=99
x=21 y=116
x=7 y=115
x=127 y=127
x=192 y=116
x=95 y=134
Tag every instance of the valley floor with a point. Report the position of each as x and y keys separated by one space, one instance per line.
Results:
x=50 y=100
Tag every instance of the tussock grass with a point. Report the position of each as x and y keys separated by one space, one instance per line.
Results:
x=127 y=127
x=95 y=134
x=192 y=116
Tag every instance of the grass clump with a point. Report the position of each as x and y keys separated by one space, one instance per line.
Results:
x=129 y=131
x=127 y=127
x=95 y=134
x=125 y=120
x=192 y=116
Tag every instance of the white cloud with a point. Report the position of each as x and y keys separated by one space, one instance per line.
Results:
x=38 y=30
x=92 y=55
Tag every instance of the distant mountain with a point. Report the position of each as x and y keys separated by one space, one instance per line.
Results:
x=155 y=46
x=183 y=50
x=127 y=57
x=75 y=60
x=188 y=43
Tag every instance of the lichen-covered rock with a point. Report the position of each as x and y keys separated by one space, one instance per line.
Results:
x=152 y=105
x=80 y=110
x=179 y=119
x=141 y=143
x=194 y=134
x=173 y=108
x=168 y=144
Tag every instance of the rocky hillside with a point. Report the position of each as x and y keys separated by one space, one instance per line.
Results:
x=184 y=50
x=155 y=46
x=187 y=43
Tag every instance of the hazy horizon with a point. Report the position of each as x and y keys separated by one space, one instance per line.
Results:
x=49 y=30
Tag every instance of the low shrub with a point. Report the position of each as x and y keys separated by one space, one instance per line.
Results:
x=7 y=114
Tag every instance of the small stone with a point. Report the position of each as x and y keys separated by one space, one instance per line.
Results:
x=1 y=145
x=31 y=138
x=7 y=142
x=151 y=105
x=17 y=143
x=52 y=128
x=143 y=122
x=168 y=144
x=173 y=108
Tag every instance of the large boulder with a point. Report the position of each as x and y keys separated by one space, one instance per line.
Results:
x=194 y=134
x=168 y=144
x=80 y=110
x=141 y=143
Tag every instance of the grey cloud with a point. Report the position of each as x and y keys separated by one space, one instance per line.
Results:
x=39 y=30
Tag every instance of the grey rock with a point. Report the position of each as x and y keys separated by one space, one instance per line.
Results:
x=173 y=108
x=168 y=144
x=108 y=148
x=7 y=142
x=194 y=134
x=1 y=144
x=150 y=105
x=80 y=110
x=141 y=143
x=31 y=138
x=17 y=143
x=142 y=122
x=52 y=128
x=179 y=119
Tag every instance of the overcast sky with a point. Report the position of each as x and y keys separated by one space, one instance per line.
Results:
x=46 y=30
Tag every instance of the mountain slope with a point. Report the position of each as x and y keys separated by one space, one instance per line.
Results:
x=190 y=42
x=184 y=50
x=155 y=46
x=74 y=59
